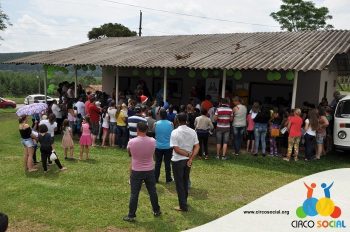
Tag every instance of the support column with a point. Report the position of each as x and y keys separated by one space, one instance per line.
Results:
x=223 y=89
x=165 y=85
x=116 y=85
x=76 y=82
x=45 y=84
x=295 y=87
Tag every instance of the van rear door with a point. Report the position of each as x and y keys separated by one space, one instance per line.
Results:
x=342 y=124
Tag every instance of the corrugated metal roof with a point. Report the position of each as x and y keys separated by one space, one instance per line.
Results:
x=308 y=50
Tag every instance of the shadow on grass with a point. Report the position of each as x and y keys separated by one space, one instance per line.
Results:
x=89 y=161
x=301 y=167
x=164 y=223
x=52 y=173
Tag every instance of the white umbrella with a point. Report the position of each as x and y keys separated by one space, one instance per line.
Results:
x=35 y=108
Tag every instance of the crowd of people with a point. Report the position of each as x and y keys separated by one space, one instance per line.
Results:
x=157 y=131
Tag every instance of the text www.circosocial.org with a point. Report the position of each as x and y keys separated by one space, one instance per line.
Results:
x=285 y=212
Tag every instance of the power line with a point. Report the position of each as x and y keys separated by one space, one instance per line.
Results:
x=176 y=13
x=187 y=15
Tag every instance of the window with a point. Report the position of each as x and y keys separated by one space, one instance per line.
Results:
x=39 y=98
x=343 y=109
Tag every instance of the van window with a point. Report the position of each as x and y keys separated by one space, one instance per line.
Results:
x=343 y=109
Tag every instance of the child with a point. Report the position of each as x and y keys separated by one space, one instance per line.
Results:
x=275 y=123
x=67 y=139
x=78 y=125
x=105 y=125
x=295 y=123
x=46 y=141
x=250 y=132
x=85 y=139
x=284 y=132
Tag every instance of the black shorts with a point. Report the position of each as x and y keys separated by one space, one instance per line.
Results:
x=94 y=128
x=250 y=135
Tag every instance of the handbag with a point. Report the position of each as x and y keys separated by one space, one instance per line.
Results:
x=275 y=132
x=284 y=130
x=53 y=156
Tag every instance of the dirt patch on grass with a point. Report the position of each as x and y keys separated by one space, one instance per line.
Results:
x=28 y=226
x=112 y=229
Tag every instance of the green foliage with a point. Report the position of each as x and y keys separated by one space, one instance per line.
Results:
x=4 y=20
x=51 y=89
x=25 y=83
x=300 y=15
x=110 y=30
x=17 y=84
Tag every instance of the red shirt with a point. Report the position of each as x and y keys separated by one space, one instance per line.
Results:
x=87 y=106
x=94 y=113
x=296 y=123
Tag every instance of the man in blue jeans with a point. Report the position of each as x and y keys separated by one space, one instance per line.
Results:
x=239 y=123
x=141 y=150
x=163 y=129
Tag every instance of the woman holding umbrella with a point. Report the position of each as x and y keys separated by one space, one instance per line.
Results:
x=26 y=132
x=26 y=135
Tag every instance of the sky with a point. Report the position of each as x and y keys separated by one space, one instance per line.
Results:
x=39 y=25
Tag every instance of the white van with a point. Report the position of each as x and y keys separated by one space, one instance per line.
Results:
x=342 y=125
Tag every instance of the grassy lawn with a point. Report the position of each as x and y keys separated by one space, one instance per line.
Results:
x=93 y=195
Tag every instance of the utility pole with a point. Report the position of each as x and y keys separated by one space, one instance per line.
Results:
x=140 y=25
x=38 y=77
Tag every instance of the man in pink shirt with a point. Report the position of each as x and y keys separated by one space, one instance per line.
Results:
x=141 y=149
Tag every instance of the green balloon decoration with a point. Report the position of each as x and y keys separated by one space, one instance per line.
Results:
x=135 y=72
x=216 y=72
x=205 y=73
x=172 y=72
x=229 y=72
x=148 y=72
x=157 y=72
x=92 y=67
x=290 y=76
x=270 y=76
x=277 y=76
x=238 y=75
x=192 y=73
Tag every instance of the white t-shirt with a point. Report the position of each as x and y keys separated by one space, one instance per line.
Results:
x=185 y=138
x=111 y=112
x=80 y=108
x=310 y=131
x=56 y=110
x=50 y=127
x=105 y=121
x=240 y=113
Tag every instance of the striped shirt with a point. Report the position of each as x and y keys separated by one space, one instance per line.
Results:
x=132 y=123
x=224 y=115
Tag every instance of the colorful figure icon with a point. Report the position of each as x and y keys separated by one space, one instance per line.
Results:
x=327 y=192
x=313 y=206
x=310 y=190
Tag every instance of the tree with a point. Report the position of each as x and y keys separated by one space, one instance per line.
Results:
x=110 y=30
x=4 y=20
x=299 y=15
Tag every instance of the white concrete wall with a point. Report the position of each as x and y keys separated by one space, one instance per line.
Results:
x=330 y=78
x=308 y=87
x=108 y=79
